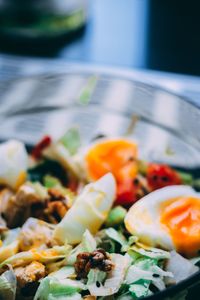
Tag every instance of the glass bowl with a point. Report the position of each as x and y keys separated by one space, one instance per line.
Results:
x=165 y=125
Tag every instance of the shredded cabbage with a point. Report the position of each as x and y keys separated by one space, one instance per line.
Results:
x=52 y=287
x=71 y=140
x=150 y=252
x=181 y=267
x=95 y=276
x=8 y=251
x=8 y=285
x=138 y=290
x=44 y=256
x=114 y=279
x=88 y=244
x=64 y=272
x=116 y=236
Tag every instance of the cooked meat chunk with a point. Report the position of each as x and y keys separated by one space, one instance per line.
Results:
x=32 y=200
x=97 y=259
x=55 y=211
x=55 y=194
x=5 y=195
x=16 y=209
x=36 y=233
x=29 y=274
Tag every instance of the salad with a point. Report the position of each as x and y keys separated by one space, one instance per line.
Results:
x=93 y=222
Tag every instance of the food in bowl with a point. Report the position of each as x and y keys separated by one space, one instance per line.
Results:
x=94 y=221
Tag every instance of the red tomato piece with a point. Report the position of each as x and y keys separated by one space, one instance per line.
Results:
x=159 y=176
x=125 y=193
x=37 y=150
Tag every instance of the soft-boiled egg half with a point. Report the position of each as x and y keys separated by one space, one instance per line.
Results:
x=14 y=163
x=114 y=155
x=168 y=218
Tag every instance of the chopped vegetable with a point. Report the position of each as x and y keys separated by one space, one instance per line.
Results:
x=89 y=211
x=159 y=176
x=38 y=149
x=71 y=140
x=47 y=167
x=8 y=285
x=116 y=216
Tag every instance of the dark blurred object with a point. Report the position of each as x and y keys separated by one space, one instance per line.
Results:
x=36 y=24
x=173 y=36
x=147 y=34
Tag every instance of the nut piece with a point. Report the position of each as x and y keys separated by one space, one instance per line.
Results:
x=97 y=259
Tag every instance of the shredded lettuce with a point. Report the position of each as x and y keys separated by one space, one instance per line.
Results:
x=145 y=269
x=88 y=244
x=114 y=279
x=8 y=285
x=141 y=274
x=195 y=260
x=10 y=244
x=71 y=140
x=52 y=287
x=11 y=236
x=150 y=252
x=75 y=296
x=44 y=256
x=95 y=276
x=8 y=251
x=116 y=236
x=181 y=267
x=64 y=272
x=139 y=290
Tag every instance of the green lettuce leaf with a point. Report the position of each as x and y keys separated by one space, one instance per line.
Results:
x=116 y=236
x=139 y=290
x=95 y=276
x=44 y=256
x=8 y=285
x=63 y=273
x=145 y=269
x=88 y=244
x=150 y=252
x=11 y=236
x=75 y=296
x=114 y=279
x=52 y=287
x=71 y=140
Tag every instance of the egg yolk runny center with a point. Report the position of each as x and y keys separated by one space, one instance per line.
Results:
x=115 y=156
x=181 y=217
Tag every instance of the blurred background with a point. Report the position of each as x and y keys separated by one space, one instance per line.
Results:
x=144 y=34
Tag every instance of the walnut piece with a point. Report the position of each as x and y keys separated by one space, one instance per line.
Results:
x=86 y=261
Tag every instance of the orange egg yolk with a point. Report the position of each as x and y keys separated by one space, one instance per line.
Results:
x=115 y=156
x=181 y=217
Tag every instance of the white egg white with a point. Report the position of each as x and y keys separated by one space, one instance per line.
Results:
x=14 y=162
x=143 y=218
x=89 y=211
